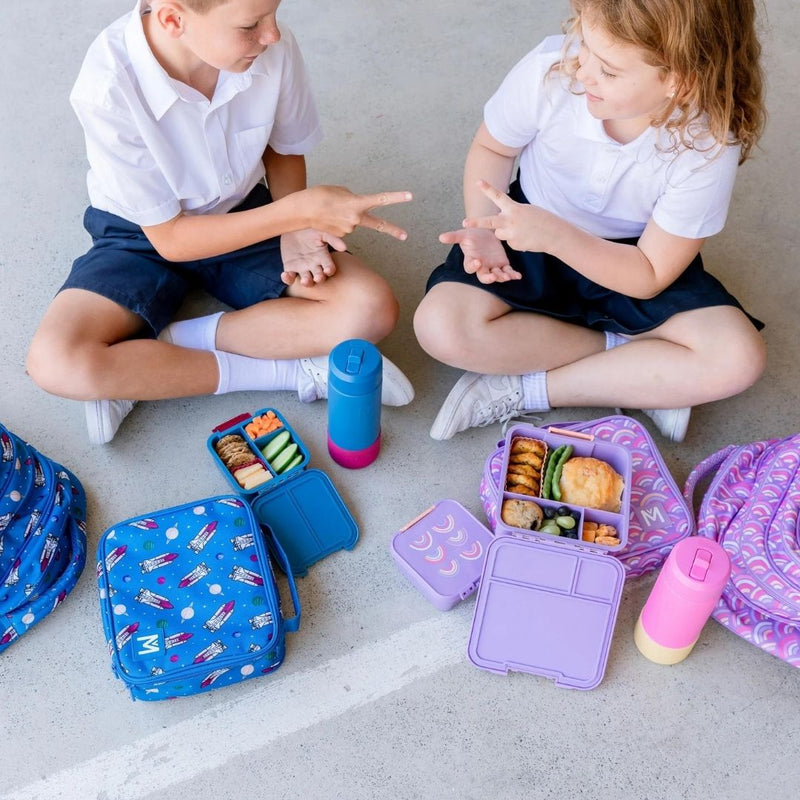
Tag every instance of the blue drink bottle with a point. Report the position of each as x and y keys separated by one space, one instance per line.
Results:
x=355 y=378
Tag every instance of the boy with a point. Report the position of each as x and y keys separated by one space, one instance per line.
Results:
x=186 y=106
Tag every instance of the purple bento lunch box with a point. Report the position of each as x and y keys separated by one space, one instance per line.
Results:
x=547 y=604
x=441 y=552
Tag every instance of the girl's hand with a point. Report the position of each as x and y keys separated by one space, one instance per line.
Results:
x=338 y=211
x=524 y=227
x=306 y=256
x=483 y=255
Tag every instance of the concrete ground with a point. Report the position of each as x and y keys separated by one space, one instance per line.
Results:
x=377 y=697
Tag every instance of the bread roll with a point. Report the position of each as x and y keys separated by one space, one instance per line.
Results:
x=591 y=483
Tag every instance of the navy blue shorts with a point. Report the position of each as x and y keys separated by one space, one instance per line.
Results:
x=123 y=266
x=548 y=286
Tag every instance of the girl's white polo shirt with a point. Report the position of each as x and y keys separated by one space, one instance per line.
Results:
x=570 y=166
x=157 y=147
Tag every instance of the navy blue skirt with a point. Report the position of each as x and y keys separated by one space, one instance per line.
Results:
x=551 y=287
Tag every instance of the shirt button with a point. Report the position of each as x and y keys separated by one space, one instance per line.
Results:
x=227 y=180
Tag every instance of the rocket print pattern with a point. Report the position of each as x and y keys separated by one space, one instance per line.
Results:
x=188 y=599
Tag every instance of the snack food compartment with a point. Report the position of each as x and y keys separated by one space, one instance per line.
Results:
x=264 y=459
x=596 y=528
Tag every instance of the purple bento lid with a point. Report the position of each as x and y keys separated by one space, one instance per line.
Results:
x=547 y=609
x=442 y=552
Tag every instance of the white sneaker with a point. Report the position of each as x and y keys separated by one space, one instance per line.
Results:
x=103 y=418
x=396 y=389
x=671 y=422
x=478 y=400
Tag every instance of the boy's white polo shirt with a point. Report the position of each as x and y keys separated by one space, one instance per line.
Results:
x=572 y=167
x=157 y=147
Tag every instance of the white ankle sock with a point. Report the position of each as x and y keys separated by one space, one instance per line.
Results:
x=241 y=373
x=199 y=333
x=615 y=340
x=534 y=392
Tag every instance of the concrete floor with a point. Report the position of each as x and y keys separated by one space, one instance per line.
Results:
x=377 y=698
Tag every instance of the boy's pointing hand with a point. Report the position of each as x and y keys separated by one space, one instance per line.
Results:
x=339 y=211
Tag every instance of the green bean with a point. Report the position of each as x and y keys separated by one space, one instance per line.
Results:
x=552 y=458
x=555 y=488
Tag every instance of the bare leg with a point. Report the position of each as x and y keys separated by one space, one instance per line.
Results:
x=472 y=329
x=695 y=357
x=309 y=321
x=83 y=350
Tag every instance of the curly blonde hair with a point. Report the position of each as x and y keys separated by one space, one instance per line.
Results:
x=712 y=48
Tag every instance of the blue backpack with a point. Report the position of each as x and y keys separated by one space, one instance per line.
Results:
x=42 y=536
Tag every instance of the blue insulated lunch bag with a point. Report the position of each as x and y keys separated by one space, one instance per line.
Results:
x=189 y=600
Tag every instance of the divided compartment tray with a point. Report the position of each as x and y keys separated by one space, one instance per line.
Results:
x=547 y=604
x=583 y=445
x=442 y=552
x=300 y=506
x=236 y=426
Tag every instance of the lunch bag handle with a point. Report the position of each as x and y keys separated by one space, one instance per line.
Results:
x=292 y=623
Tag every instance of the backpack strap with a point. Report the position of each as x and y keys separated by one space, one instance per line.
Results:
x=707 y=466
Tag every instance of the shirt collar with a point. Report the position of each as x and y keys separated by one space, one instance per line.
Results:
x=591 y=128
x=158 y=90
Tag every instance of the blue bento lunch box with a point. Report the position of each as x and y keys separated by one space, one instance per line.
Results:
x=300 y=505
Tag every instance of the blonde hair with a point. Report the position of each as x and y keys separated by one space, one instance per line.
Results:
x=712 y=49
x=203 y=6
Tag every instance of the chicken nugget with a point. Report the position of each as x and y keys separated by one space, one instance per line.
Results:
x=524 y=480
x=532 y=459
x=520 y=488
x=524 y=469
x=522 y=445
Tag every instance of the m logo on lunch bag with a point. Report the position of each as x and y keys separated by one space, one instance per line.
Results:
x=149 y=644
x=652 y=517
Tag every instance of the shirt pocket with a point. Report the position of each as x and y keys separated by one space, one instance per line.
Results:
x=250 y=146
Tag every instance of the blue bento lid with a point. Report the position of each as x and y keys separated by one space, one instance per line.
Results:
x=308 y=517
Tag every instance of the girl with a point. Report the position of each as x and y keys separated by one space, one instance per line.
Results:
x=584 y=285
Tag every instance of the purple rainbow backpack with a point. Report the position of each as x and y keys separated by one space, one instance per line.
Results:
x=751 y=508
x=659 y=515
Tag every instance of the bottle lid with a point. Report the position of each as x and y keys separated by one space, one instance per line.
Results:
x=700 y=566
x=355 y=366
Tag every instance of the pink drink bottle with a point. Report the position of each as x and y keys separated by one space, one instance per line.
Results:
x=683 y=597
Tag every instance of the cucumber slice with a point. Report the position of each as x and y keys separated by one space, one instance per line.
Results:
x=274 y=446
x=296 y=461
x=284 y=458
